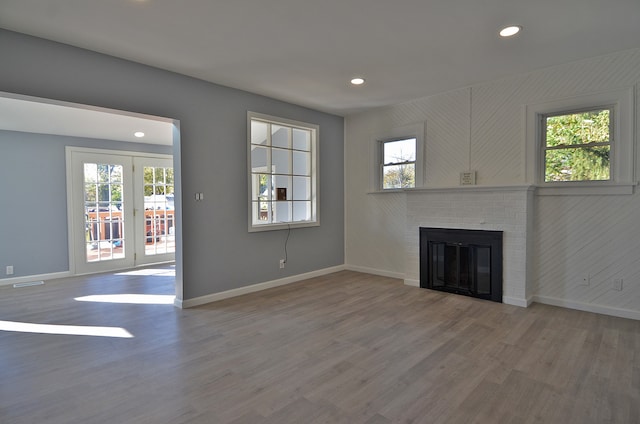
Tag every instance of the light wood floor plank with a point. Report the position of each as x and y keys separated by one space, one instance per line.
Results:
x=342 y=348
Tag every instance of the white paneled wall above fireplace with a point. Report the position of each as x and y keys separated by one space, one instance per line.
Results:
x=483 y=128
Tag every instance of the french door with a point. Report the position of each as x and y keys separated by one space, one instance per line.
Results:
x=154 y=210
x=122 y=210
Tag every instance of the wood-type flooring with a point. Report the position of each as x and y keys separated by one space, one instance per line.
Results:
x=343 y=348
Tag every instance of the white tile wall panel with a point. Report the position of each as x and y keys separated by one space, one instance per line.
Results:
x=496 y=133
x=375 y=221
x=447 y=139
x=597 y=236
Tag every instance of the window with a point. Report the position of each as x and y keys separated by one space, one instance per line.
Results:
x=577 y=145
x=283 y=175
x=397 y=159
x=582 y=145
x=398 y=164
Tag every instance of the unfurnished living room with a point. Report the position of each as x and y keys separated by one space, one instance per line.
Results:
x=319 y=212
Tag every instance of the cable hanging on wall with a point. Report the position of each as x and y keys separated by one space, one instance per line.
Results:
x=470 y=124
x=286 y=241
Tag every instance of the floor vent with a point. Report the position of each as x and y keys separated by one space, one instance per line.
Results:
x=27 y=284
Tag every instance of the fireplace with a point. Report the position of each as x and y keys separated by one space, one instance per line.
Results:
x=467 y=262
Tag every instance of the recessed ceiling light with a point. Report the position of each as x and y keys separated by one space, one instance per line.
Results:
x=139 y=134
x=510 y=31
x=357 y=81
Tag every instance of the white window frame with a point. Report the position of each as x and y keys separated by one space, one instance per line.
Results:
x=382 y=164
x=622 y=145
x=611 y=143
x=315 y=177
x=376 y=156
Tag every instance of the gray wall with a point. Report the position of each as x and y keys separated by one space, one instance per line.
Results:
x=33 y=218
x=218 y=253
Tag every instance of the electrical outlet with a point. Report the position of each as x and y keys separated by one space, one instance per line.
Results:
x=282 y=262
x=617 y=284
x=9 y=269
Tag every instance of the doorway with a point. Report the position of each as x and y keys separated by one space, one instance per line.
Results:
x=44 y=124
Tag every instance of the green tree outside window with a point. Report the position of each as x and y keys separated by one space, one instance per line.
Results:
x=578 y=146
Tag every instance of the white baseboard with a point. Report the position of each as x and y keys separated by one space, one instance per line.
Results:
x=412 y=283
x=588 y=307
x=375 y=271
x=196 y=301
x=30 y=278
x=517 y=301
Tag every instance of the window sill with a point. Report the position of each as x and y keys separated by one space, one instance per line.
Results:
x=462 y=188
x=390 y=190
x=586 y=189
x=283 y=226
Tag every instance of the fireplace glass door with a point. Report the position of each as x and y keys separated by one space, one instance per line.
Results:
x=462 y=263
x=461 y=267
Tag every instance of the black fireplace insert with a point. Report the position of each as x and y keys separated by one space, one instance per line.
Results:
x=467 y=262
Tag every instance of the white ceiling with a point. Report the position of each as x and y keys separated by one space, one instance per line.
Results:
x=43 y=116
x=306 y=52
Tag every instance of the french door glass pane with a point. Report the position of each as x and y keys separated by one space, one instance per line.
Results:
x=103 y=212
x=159 y=210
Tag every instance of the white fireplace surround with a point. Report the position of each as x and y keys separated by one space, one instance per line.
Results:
x=506 y=208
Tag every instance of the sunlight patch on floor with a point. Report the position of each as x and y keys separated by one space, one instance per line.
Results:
x=154 y=272
x=138 y=299
x=74 y=330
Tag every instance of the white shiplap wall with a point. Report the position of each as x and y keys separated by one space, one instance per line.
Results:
x=482 y=128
